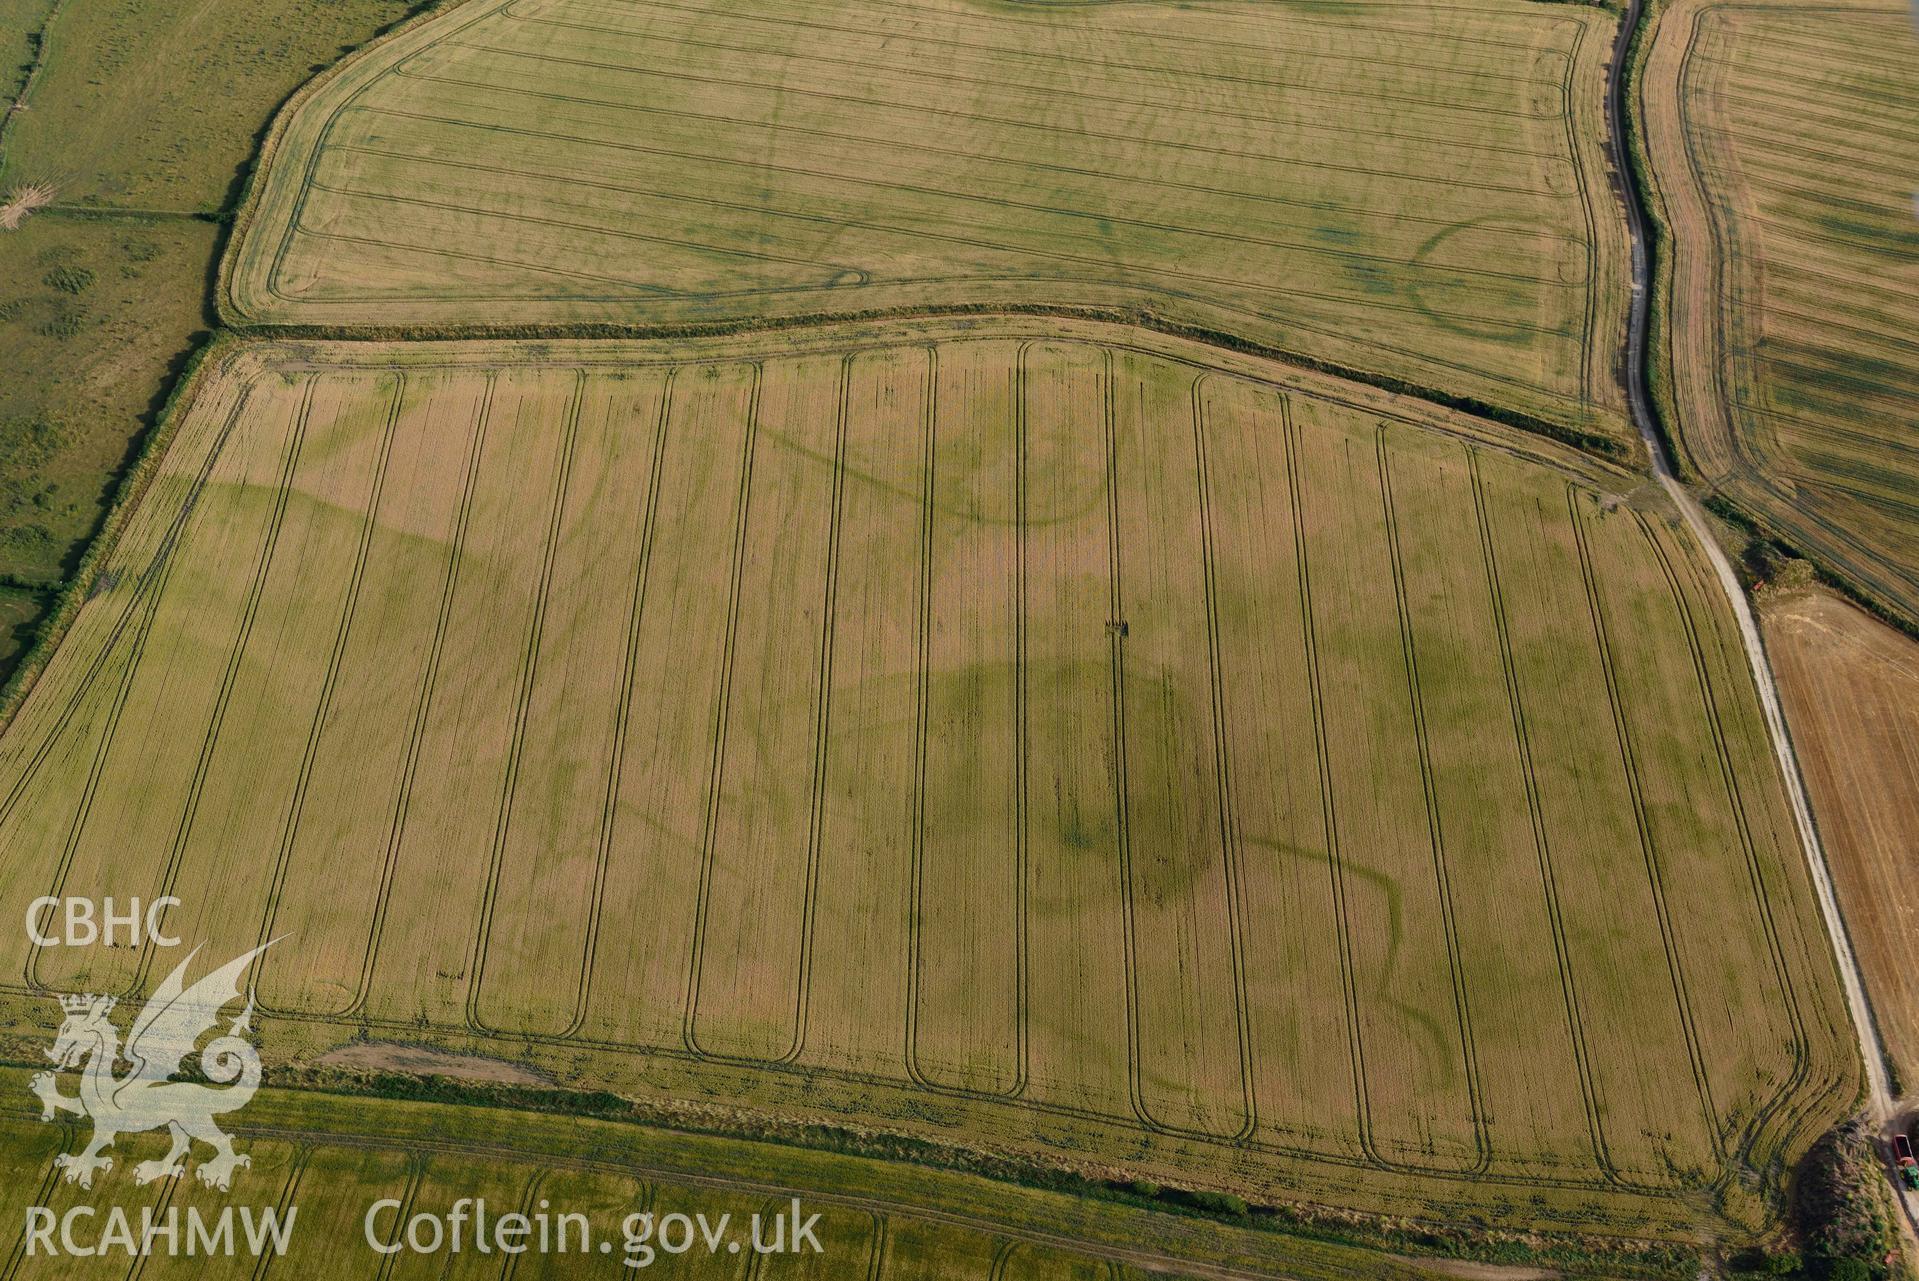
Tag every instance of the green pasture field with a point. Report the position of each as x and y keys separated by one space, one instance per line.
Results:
x=1031 y=736
x=20 y=22
x=1787 y=140
x=1410 y=190
x=20 y=611
x=141 y=104
x=93 y=319
x=159 y=104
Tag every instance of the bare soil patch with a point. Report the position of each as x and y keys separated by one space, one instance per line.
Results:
x=393 y=1056
x=1851 y=690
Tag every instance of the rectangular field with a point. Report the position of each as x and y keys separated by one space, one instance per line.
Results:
x=1013 y=733
x=1786 y=139
x=1410 y=190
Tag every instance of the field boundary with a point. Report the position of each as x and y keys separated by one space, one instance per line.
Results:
x=1609 y=448
x=1574 y=425
x=1537 y=440
x=1323 y=1170
x=1741 y=481
x=991 y=1200
x=1627 y=130
x=42 y=54
x=249 y=338
x=131 y=488
x=249 y=202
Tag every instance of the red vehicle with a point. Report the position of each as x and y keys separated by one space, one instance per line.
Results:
x=1902 y=1157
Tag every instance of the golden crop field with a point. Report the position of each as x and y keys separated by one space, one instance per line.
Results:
x=1029 y=735
x=1786 y=137
x=330 y=1158
x=1414 y=191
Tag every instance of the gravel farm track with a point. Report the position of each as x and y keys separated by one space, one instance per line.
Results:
x=1882 y=1105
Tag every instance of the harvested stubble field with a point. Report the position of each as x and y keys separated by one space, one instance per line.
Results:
x=1028 y=735
x=1851 y=689
x=1786 y=138
x=1413 y=190
x=333 y=1157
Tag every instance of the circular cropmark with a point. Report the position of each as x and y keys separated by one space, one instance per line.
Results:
x=1568 y=269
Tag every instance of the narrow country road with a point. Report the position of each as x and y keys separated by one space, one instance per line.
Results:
x=1881 y=1106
